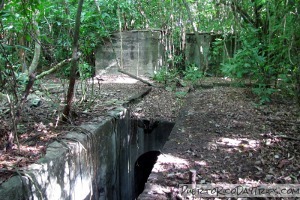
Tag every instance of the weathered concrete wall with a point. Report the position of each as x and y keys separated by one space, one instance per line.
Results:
x=95 y=162
x=139 y=52
x=194 y=55
x=82 y=165
x=135 y=143
x=142 y=52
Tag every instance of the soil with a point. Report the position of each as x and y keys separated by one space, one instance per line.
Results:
x=39 y=123
x=218 y=127
x=225 y=137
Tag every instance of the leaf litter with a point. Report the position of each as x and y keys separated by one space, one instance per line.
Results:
x=232 y=129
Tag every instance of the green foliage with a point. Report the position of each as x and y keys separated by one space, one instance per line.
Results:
x=217 y=49
x=264 y=93
x=180 y=94
x=178 y=60
x=266 y=46
x=192 y=73
x=161 y=75
x=247 y=62
x=264 y=57
x=165 y=75
x=85 y=71
x=22 y=79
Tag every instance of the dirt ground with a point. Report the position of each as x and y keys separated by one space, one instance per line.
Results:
x=39 y=123
x=220 y=130
x=225 y=137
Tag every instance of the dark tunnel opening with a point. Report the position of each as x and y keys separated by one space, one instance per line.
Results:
x=142 y=170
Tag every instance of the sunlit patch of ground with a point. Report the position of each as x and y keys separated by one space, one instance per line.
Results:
x=238 y=143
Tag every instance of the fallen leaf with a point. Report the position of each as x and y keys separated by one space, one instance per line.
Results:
x=283 y=163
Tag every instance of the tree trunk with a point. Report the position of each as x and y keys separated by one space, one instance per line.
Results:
x=31 y=75
x=1 y=4
x=297 y=87
x=37 y=50
x=22 y=54
x=74 y=64
x=198 y=40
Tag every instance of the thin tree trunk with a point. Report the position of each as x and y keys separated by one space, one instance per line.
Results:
x=1 y=4
x=183 y=44
x=74 y=64
x=297 y=86
x=143 y=14
x=37 y=50
x=198 y=41
x=31 y=75
x=22 y=54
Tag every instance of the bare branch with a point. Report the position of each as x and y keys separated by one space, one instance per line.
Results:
x=135 y=77
x=53 y=69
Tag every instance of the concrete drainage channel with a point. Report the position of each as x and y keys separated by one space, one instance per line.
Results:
x=140 y=155
x=109 y=159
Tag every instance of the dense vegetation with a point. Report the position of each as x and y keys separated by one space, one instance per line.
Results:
x=37 y=38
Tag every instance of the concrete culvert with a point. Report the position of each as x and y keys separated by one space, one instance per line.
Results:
x=142 y=169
